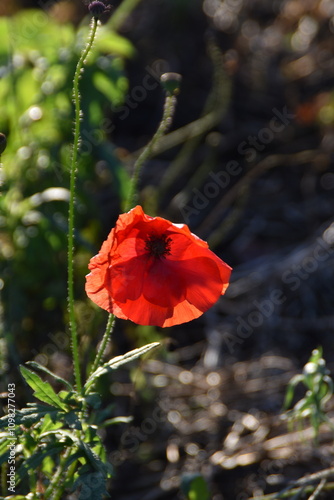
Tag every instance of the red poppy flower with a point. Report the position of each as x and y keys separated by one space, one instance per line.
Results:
x=154 y=272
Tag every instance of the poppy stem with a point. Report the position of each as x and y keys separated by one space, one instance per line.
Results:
x=166 y=121
x=104 y=343
x=73 y=172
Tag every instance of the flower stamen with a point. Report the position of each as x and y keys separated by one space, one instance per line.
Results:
x=158 y=246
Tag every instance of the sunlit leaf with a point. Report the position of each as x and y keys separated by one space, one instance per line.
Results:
x=110 y=42
x=118 y=361
x=116 y=420
x=111 y=86
x=31 y=463
x=42 y=390
x=42 y=368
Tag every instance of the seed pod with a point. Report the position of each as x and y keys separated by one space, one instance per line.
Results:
x=171 y=82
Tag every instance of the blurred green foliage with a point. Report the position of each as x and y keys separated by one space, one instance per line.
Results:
x=319 y=389
x=195 y=487
x=37 y=63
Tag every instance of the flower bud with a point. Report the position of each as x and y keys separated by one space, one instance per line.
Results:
x=171 y=82
x=97 y=8
x=3 y=143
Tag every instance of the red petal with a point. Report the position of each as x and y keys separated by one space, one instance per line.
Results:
x=150 y=290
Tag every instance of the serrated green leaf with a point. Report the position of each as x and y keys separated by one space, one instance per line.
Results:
x=31 y=463
x=42 y=368
x=33 y=418
x=118 y=361
x=62 y=433
x=94 y=460
x=72 y=420
x=35 y=413
x=92 y=485
x=42 y=390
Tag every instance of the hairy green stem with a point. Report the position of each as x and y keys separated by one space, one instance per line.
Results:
x=166 y=121
x=104 y=342
x=73 y=170
x=54 y=490
x=59 y=491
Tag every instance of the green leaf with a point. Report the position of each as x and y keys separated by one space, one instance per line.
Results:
x=72 y=420
x=116 y=420
x=4 y=451
x=118 y=361
x=93 y=474
x=31 y=463
x=106 y=86
x=3 y=442
x=42 y=368
x=47 y=424
x=63 y=434
x=15 y=497
x=92 y=485
x=112 y=82
x=326 y=389
x=94 y=460
x=4 y=422
x=42 y=390
x=291 y=390
x=110 y=42
x=35 y=413
x=31 y=415
x=73 y=458
x=94 y=400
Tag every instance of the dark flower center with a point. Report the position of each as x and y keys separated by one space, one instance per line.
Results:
x=158 y=246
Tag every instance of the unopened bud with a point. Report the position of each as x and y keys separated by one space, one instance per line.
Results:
x=171 y=82
x=97 y=8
